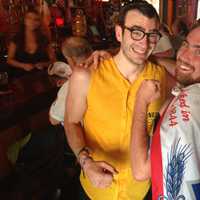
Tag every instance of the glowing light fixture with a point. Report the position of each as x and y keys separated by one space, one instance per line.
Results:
x=59 y=21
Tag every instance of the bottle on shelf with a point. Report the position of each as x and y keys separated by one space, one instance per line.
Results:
x=79 y=23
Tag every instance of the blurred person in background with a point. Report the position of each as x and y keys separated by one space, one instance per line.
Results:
x=75 y=50
x=164 y=48
x=30 y=48
x=59 y=73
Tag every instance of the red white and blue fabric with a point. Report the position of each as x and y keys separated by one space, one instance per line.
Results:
x=175 y=148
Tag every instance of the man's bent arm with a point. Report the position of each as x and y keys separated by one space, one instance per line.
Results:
x=148 y=92
x=140 y=162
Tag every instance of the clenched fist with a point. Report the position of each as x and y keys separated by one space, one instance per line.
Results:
x=149 y=91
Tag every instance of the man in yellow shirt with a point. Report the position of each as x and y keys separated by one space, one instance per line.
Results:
x=104 y=99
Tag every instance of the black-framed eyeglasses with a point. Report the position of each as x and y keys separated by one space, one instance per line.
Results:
x=137 y=34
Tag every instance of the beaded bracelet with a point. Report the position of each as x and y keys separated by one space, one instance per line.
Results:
x=84 y=157
x=84 y=149
x=83 y=160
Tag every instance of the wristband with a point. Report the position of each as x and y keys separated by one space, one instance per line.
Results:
x=84 y=149
x=82 y=160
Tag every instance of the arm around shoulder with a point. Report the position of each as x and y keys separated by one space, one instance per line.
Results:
x=168 y=63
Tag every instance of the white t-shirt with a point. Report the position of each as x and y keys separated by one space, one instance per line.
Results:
x=163 y=44
x=57 y=109
x=175 y=149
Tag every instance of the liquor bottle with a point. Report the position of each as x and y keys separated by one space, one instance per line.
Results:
x=79 y=24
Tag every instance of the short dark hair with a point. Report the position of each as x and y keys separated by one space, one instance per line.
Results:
x=194 y=26
x=76 y=47
x=142 y=6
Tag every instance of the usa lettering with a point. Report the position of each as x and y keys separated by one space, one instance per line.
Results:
x=172 y=116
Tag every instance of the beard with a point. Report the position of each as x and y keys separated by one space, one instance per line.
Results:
x=182 y=76
x=185 y=79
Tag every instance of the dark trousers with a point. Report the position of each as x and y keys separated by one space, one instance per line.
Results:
x=45 y=165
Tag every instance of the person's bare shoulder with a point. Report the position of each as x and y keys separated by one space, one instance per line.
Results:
x=77 y=95
x=81 y=73
x=79 y=82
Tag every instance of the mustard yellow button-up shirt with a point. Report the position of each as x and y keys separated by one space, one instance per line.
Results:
x=107 y=124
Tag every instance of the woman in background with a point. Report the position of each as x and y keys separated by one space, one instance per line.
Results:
x=30 y=48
